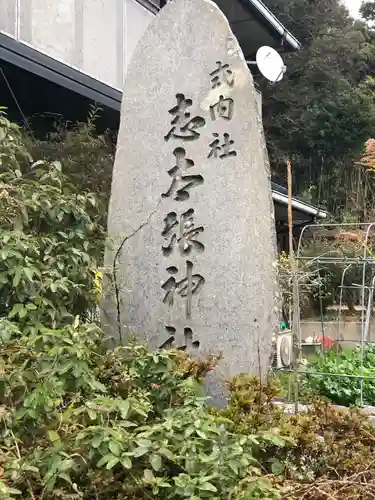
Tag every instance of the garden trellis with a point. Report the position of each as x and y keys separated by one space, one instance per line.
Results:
x=364 y=262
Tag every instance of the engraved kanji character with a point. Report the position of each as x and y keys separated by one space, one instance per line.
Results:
x=184 y=127
x=220 y=74
x=186 y=182
x=181 y=231
x=222 y=109
x=186 y=341
x=224 y=148
x=186 y=287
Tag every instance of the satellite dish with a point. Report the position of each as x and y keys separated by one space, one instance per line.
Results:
x=270 y=64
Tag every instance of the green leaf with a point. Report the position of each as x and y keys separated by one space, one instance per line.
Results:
x=140 y=451
x=97 y=441
x=30 y=468
x=53 y=436
x=124 y=408
x=276 y=440
x=76 y=322
x=105 y=459
x=115 y=447
x=4 y=278
x=189 y=431
x=65 y=476
x=156 y=462
x=126 y=462
x=201 y=434
x=112 y=462
x=63 y=287
x=22 y=312
x=144 y=443
x=148 y=476
x=234 y=466
x=17 y=276
x=166 y=453
x=92 y=414
x=29 y=273
x=16 y=309
x=208 y=487
x=13 y=491
x=277 y=468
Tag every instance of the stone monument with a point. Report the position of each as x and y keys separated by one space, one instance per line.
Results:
x=191 y=218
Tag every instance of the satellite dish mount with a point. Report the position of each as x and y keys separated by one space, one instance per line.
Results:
x=270 y=64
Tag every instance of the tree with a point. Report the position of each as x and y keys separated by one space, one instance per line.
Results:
x=87 y=156
x=51 y=240
x=323 y=111
x=367 y=11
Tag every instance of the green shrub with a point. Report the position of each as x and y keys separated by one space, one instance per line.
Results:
x=76 y=420
x=327 y=447
x=80 y=422
x=344 y=390
x=51 y=241
x=87 y=156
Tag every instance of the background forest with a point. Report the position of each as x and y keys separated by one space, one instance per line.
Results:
x=323 y=112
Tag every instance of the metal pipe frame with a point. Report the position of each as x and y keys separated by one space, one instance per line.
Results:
x=365 y=260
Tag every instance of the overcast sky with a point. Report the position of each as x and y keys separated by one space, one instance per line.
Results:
x=353 y=6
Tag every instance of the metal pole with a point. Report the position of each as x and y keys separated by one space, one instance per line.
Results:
x=321 y=307
x=369 y=310
x=290 y=214
x=338 y=338
x=294 y=283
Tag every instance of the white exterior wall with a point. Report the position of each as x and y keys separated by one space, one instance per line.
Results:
x=97 y=37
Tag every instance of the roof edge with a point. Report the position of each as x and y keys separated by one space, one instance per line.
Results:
x=28 y=58
x=301 y=206
x=149 y=5
x=273 y=23
x=260 y=9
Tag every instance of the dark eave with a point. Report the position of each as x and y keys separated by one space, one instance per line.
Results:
x=251 y=21
x=25 y=57
x=150 y=5
x=300 y=208
x=270 y=21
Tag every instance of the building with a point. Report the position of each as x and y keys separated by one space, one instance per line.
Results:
x=302 y=213
x=59 y=56
x=68 y=53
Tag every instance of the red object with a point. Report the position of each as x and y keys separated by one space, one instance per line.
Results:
x=328 y=342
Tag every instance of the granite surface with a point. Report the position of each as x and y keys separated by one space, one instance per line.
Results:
x=191 y=219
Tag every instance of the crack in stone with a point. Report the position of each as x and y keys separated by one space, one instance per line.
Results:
x=114 y=270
